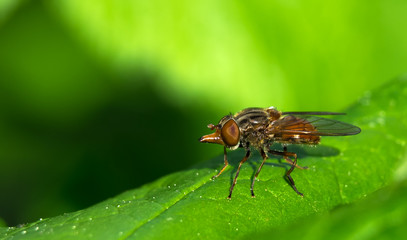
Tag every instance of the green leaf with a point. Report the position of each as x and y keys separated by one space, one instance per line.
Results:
x=381 y=216
x=189 y=204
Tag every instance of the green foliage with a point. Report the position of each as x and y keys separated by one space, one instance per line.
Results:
x=188 y=204
x=381 y=216
x=324 y=52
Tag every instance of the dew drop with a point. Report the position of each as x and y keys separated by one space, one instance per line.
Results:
x=90 y=219
x=180 y=220
x=237 y=229
x=36 y=228
x=197 y=173
x=169 y=186
x=198 y=234
x=175 y=184
x=73 y=227
x=24 y=232
x=40 y=219
x=153 y=197
x=118 y=205
x=349 y=173
x=120 y=233
x=106 y=207
x=169 y=219
x=346 y=185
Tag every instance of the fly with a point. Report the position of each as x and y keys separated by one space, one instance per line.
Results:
x=259 y=128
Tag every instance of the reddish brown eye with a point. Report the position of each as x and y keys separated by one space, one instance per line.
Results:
x=230 y=133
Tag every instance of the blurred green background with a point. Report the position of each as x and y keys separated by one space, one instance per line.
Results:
x=97 y=97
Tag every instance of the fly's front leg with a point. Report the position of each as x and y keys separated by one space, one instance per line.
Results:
x=290 y=161
x=290 y=179
x=225 y=158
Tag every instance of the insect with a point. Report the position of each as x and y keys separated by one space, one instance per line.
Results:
x=259 y=128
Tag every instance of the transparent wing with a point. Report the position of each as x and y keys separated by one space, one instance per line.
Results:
x=316 y=126
x=312 y=113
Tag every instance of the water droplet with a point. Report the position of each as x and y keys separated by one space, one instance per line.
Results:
x=24 y=232
x=197 y=173
x=90 y=219
x=169 y=219
x=237 y=229
x=184 y=193
x=169 y=186
x=198 y=234
x=106 y=207
x=40 y=219
x=153 y=197
x=118 y=205
x=120 y=233
x=346 y=185
x=180 y=220
x=175 y=184
x=349 y=173
x=36 y=228
x=200 y=196
x=73 y=227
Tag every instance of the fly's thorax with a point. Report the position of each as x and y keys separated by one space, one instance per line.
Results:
x=249 y=118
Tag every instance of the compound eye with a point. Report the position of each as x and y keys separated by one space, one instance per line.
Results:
x=230 y=133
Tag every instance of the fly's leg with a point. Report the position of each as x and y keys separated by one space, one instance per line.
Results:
x=290 y=179
x=264 y=155
x=237 y=172
x=225 y=158
x=290 y=161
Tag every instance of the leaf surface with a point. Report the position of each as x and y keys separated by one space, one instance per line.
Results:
x=188 y=204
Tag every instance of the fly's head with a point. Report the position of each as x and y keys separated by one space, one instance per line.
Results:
x=227 y=133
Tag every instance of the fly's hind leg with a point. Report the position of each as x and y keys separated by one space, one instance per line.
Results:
x=286 y=154
x=290 y=161
x=225 y=158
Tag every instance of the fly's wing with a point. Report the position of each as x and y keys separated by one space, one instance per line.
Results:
x=313 y=126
